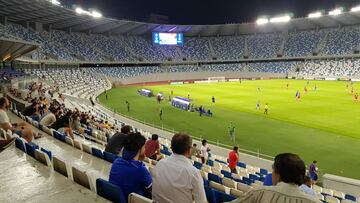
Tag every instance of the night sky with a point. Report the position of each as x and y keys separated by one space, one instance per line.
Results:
x=208 y=11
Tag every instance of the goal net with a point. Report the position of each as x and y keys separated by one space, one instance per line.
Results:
x=216 y=79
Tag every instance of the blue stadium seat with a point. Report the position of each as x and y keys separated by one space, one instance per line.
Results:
x=226 y=174
x=242 y=165
x=30 y=148
x=110 y=191
x=97 y=152
x=350 y=197
x=254 y=177
x=48 y=152
x=210 y=162
x=197 y=165
x=215 y=178
x=110 y=157
x=264 y=171
x=206 y=183
x=20 y=144
x=59 y=136
x=223 y=197
x=210 y=195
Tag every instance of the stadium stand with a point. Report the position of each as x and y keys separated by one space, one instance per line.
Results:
x=349 y=68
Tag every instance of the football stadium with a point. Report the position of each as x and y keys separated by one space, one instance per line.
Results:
x=100 y=108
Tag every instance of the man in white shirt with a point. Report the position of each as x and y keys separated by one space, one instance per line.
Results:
x=288 y=174
x=204 y=152
x=49 y=118
x=175 y=179
x=21 y=129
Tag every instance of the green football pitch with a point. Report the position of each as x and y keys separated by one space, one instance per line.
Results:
x=323 y=125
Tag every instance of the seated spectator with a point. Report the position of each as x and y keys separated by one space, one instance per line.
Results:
x=233 y=159
x=175 y=178
x=152 y=148
x=195 y=151
x=32 y=111
x=21 y=129
x=50 y=117
x=116 y=142
x=63 y=125
x=306 y=187
x=129 y=172
x=288 y=174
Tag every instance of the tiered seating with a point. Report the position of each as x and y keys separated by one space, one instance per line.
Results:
x=302 y=43
x=8 y=73
x=228 y=48
x=273 y=67
x=75 y=82
x=144 y=48
x=235 y=67
x=264 y=46
x=331 y=68
x=196 y=49
x=342 y=41
x=125 y=72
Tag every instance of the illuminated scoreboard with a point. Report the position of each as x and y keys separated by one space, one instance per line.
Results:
x=161 y=38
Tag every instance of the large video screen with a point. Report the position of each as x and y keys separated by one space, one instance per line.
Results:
x=161 y=38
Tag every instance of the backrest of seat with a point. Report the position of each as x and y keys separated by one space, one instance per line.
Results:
x=229 y=183
x=86 y=148
x=97 y=152
x=350 y=197
x=77 y=144
x=223 y=197
x=60 y=166
x=30 y=149
x=110 y=157
x=42 y=157
x=81 y=177
x=110 y=191
x=331 y=199
x=243 y=187
x=215 y=178
x=136 y=198
x=236 y=193
x=210 y=195
x=20 y=144
x=217 y=186
x=69 y=141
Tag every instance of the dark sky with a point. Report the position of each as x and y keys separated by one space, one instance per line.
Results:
x=208 y=11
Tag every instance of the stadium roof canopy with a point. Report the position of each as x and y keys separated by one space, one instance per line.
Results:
x=62 y=18
x=12 y=49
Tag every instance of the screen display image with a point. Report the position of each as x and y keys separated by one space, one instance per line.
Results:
x=161 y=38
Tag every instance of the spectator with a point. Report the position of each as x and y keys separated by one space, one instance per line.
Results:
x=233 y=159
x=195 y=151
x=288 y=174
x=116 y=142
x=152 y=148
x=21 y=129
x=175 y=178
x=63 y=125
x=306 y=187
x=204 y=152
x=49 y=118
x=129 y=172
x=313 y=172
x=32 y=111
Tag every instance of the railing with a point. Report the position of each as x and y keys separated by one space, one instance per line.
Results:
x=199 y=138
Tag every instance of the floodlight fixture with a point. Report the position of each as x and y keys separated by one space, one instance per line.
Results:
x=262 y=21
x=280 y=19
x=317 y=14
x=96 y=14
x=355 y=9
x=336 y=12
x=55 y=2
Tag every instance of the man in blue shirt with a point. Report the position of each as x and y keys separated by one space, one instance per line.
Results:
x=129 y=172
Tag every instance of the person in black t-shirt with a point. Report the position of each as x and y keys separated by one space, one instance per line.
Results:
x=116 y=142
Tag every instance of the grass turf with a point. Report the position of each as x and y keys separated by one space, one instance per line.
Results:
x=324 y=125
